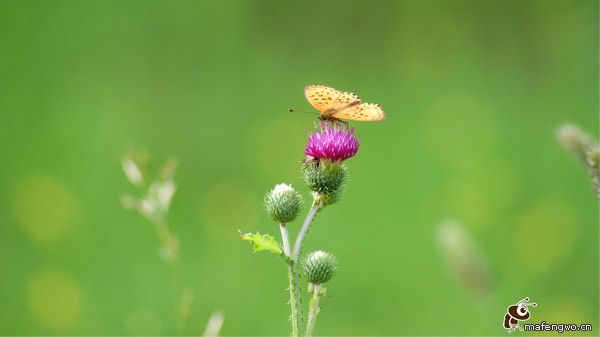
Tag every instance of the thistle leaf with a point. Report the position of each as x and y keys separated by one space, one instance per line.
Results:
x=262 y=242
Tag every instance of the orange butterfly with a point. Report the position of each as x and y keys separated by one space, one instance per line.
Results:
x=334 y=105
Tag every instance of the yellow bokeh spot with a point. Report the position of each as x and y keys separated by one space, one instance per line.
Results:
x=44 y=207
x=545 y=235
x=483 y=190
x=563 y=310
x=54 y=298
x=144 y=322
x=467 y=201
x=229 y=205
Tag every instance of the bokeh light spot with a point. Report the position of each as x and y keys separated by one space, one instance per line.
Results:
x=54 y=298
x=44 y=207
x=229 y=205
x=144 y=322
x=557 y=310
x=545 y=235
x=467 y=201
x=482 y=193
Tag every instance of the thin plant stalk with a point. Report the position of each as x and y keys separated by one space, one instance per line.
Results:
x=286 y=239
x=286 y=250
x=313 y=309
x=317 y=204
x=293 y=304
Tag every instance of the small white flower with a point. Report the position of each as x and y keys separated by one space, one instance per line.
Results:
x=166 y=191
x=132 y=172
x=129 y=202
x=146 y=208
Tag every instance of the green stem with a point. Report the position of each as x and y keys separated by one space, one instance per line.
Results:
x=294 y=307
x=286 y=239
x=317 y=203
x=313 y=309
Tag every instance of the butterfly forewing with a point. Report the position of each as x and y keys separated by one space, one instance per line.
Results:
x=366 y=112
x=328 y=100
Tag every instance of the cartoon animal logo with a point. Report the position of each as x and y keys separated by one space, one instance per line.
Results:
x=516 y=313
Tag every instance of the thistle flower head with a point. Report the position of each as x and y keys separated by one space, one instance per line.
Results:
x=332 y=142
x=319 y=266
x=283 y=203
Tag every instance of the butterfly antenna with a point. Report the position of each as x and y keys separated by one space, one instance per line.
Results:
x=305 y=112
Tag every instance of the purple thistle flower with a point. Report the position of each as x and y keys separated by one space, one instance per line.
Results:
x=335 y=143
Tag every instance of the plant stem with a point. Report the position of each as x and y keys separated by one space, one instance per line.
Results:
x=294 y=306
x=286 y=250
x=317 y=203
x=313 y=309
x=286 y=239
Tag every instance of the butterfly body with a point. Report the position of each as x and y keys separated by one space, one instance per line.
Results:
x=334 y=105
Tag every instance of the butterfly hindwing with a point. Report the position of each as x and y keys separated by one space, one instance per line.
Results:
x=345 y=99
x=366 y=112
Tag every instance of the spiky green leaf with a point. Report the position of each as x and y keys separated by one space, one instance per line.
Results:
x=262 y=242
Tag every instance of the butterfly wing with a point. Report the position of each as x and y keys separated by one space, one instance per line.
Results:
x=366 y=112
x=328 y=100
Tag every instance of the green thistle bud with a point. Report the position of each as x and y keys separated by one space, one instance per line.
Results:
x=326 y=178
x=283 y=203
x=319 y=267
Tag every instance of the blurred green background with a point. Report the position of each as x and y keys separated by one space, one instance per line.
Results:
x=473 y=90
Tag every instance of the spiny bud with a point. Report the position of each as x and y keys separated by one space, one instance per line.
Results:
x=319 y=267
x=592 y=155
x=593 y=160
x=283 y=203
x=327 y=179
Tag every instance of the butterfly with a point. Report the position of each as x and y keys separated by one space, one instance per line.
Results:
x=334 y=105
